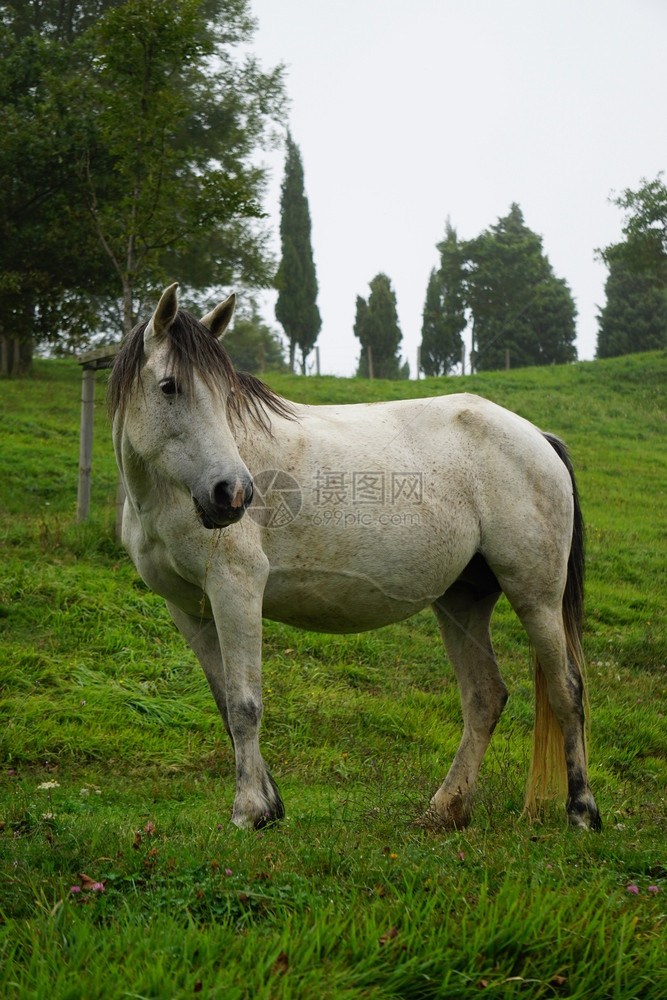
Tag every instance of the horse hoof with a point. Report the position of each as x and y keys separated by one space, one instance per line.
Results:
x=267 y=820
x=583 y=813
x=256 y=815
x=589 y=821
x=438 y=820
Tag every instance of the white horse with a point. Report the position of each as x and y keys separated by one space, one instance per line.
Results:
x=362 y=515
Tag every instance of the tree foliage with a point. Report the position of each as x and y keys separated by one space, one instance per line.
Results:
x=634 y=317
x=501 y=284
x=376 y=326
x=252 y=345
x=517 y=303
x=130 y=133
x=444 y=318
x=51 y=265
x=180 y=131
x=57 y=20
x=296 y=306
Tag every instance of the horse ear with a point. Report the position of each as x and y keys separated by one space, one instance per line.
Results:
x=164 y=315
x=218 y=319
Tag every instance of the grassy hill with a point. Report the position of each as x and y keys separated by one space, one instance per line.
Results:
x=102 y=703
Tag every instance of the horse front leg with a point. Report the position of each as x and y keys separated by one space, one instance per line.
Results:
x=202 y=637
x=238 y=620
x=229 y=651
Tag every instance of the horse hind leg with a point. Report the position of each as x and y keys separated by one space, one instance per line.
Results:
x=463 y=614
x=559 y=742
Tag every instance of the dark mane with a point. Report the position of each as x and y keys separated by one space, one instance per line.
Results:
x=193 y=347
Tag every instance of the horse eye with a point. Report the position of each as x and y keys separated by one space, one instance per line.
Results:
x=170 y=387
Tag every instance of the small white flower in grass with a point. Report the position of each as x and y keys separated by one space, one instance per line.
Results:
x=87 y=789
x=48 y=785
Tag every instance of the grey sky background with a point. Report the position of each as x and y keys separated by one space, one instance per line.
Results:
x=407 y=113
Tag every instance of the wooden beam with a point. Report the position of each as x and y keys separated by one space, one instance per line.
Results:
x=101 y=357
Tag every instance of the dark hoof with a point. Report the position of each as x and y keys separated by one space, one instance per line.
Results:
x=270 y=818
x=584 y=815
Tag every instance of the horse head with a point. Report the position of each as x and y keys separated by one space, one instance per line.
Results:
x=177 y=423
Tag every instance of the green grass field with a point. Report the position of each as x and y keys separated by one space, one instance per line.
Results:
x=117 y=778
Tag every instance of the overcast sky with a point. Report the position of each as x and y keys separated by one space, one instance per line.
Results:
x=410 y=111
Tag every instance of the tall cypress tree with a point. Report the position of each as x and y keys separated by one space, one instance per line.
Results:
x=443 y=318
x=376 y=326
x=296 y=307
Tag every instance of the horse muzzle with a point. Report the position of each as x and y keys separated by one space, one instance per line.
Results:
x=225 y=504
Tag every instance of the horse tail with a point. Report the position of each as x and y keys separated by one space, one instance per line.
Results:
x=548 y=771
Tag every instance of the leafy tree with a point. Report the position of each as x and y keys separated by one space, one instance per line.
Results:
x=376 y=326
x=296 y=306
x=47 y=247
x=443 y=318
x=634 y=317
x=180 y=133
x=517 y=303
x=130 y=136
x=645 y=229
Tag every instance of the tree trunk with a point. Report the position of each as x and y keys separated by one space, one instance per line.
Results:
x=15 y=356
x=25 y=355
x=127 y=307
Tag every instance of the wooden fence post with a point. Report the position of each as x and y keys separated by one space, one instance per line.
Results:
x=86 y=443
x=91 y=363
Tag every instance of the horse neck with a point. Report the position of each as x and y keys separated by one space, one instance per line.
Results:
x=143 y=485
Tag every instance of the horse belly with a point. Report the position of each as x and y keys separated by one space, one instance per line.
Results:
x=328 y=601
x=335 y=581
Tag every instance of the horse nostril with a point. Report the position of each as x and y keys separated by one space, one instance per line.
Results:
x=249 y=492
x=230 y=493
x=223 y=493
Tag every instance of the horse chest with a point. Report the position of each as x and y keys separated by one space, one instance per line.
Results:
x=162 y=573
